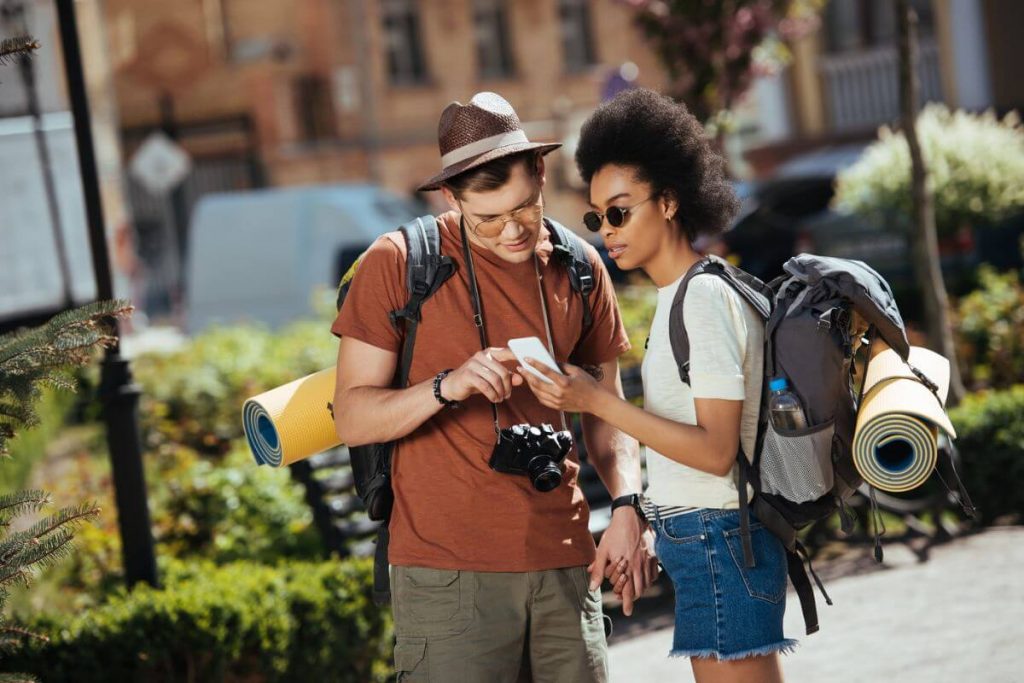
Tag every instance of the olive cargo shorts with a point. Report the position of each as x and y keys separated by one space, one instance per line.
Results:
x=456 y=626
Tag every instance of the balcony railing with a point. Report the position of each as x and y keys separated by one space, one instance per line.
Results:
x=861 y=88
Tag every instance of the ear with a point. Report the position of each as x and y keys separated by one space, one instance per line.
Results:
x=449 y=197
x=540 y=170
x=669 y=205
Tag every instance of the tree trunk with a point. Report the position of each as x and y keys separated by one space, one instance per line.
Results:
x=924 y=242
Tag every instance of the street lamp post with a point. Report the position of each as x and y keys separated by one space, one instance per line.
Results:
x=119 y=393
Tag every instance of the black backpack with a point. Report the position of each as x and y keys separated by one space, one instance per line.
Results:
x=802 y=477
x=426 y=270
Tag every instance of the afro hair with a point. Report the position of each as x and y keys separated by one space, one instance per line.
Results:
x=668 y=149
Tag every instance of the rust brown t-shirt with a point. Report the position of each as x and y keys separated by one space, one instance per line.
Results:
x=452 y=511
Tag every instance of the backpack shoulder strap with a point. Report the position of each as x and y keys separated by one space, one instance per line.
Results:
x=426 y=269
x=572 y=252
x=753 y=291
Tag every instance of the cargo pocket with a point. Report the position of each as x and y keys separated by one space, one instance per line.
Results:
x=766 y=580
x=797 y=465
x=434 y=602
x=589 y=601
x=410 y=660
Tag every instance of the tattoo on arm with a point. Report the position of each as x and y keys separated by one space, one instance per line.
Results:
x=595 y=371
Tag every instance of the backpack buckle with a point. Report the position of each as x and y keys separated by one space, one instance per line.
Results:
x=585 y=283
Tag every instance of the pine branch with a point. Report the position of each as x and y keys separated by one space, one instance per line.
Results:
x=22 y=632
x=13 y=48
x=70 y=516
x=21 y=502
x=17 y=678
x=19 y=549
x=45 y=552
x=40 y=357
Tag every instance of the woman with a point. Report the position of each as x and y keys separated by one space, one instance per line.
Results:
x=655 y=187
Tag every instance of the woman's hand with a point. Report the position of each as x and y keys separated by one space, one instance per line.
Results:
x=574 y=392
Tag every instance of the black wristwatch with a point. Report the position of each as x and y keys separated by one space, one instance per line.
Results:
x=437 y=390
x=633 y=501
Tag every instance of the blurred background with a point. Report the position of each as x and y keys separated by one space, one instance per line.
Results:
x=246 y=153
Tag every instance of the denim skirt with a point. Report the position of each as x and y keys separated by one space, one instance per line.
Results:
x=723 y=609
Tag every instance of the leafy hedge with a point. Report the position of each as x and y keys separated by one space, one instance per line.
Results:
x=990 y=431
x=990 y=330
x=975 y=162
x=214 y=508
x=239 y=622
x=194 y=396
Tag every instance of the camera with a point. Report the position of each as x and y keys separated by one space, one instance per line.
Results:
x=536 y=452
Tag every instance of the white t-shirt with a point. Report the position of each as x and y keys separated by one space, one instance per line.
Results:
x=726 y=355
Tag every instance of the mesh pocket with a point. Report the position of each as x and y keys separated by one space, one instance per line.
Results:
x=798 y=465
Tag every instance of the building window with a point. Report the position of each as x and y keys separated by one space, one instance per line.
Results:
x=577 y=39
x=493 y=47
x=852 y=25
x=406 y=65
x=314 y=109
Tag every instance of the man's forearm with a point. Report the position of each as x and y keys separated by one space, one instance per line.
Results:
x=365 y=415
x=614 y=454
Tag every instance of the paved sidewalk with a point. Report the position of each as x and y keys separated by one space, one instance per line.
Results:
x=958 y=617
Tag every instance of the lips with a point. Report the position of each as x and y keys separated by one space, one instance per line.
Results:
x=520 y=245
x=615 y=250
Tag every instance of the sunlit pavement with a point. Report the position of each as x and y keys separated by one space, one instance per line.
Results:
x=958 y=617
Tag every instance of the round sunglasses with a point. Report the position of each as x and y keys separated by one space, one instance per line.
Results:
x=616 y=216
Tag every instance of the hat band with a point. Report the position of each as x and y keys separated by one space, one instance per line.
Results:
x=481 y=146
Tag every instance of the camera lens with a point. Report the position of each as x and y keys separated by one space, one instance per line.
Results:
x=544 y=473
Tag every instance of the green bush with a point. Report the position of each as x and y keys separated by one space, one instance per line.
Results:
x=239 y=622
x=990 y=331
x=975 y=163
x=231 y=509
x=637 y=304
x=990 y=435
x=194 y=396
x=219 y=509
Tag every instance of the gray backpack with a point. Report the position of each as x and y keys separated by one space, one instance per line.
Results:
x=804 y=476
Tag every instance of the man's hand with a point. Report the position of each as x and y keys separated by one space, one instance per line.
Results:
x=618 y=545
x=483 y=374
x=638 y=573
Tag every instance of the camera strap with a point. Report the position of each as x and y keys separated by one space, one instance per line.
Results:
x=478 y=313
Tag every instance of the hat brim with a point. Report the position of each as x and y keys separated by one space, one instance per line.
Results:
x=472 y=162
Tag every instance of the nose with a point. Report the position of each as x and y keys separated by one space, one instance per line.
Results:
x=607 y=229
x=512 y=229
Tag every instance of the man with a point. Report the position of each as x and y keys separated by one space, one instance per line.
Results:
x=487 y=571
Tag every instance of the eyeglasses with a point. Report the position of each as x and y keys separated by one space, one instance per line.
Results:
x=492 y=227
x=616 y=216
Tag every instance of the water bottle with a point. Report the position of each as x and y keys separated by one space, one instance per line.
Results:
x=784 y=407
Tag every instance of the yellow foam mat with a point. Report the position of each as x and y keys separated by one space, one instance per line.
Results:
x=895 y=442
x=293 y=421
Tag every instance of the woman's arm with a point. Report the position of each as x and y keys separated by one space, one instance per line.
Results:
x=710 y=445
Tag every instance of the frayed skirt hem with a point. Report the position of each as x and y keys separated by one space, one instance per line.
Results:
x=783 y=647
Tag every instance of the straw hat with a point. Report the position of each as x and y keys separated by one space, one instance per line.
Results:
x=486 y=129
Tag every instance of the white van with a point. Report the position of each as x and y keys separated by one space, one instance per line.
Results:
x=259 y=255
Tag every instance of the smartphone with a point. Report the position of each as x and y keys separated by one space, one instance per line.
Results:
x=531 y=347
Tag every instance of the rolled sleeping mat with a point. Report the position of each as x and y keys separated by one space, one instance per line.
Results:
x=895 y=442
x=293 y=421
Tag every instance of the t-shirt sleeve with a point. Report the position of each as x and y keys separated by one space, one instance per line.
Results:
x=717 y=331
x=606 y=339
x=376 y=289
